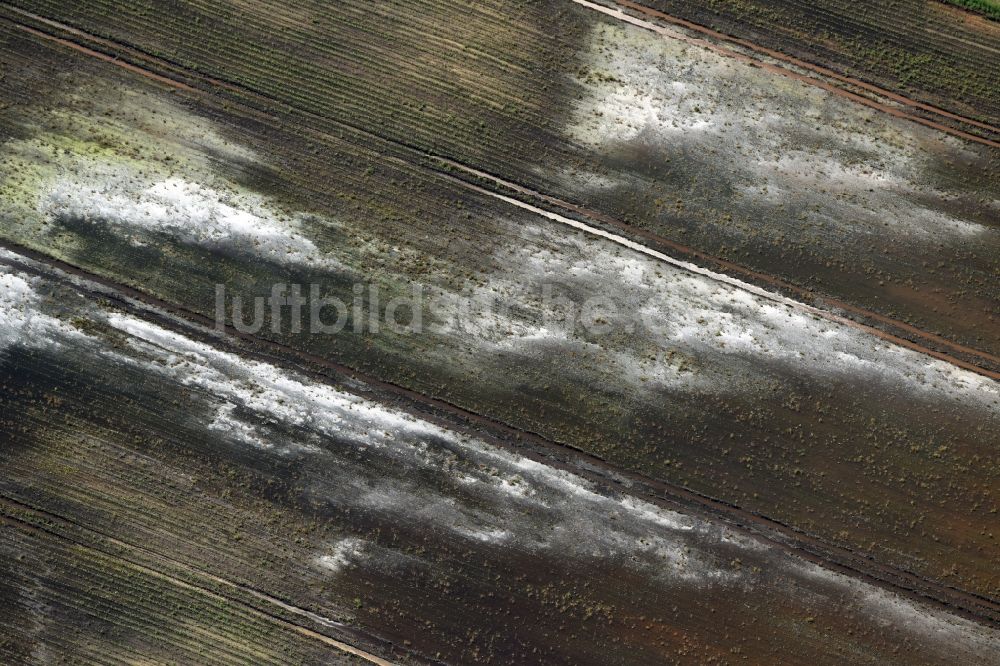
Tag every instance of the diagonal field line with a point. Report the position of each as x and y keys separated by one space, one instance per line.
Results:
x=731 y=281
x=684 y=265
x=507 y=199
x=621 y=15
x=332 y=642
x=567 y=456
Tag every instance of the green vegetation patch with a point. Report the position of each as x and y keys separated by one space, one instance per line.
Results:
x=989 y=8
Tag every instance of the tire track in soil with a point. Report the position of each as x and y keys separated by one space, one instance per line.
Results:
x=532 y=445
x=858 y=565
x=988 y=365
x=819 y=70
x=729 y=267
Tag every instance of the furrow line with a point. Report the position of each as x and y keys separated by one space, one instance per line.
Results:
x=986 y=364
x=332 y=642
x=524 y=442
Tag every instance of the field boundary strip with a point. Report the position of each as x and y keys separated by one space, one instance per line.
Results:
x=982 y=362
x=557 y=454
x=618 y=12
x=183 y=86
x=725 y=278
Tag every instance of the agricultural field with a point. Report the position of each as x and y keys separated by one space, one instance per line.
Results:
x=928 y=50
x=988 y=8
x=203 y=505
x=568 y=114
x=655 y=346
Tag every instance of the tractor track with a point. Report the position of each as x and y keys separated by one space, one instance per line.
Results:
x=985 y=367
x=978 y=361
x=713 y=43
x=524 y=442
x=855 y=564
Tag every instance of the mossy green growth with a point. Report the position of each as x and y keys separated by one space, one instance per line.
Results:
x=989 y=8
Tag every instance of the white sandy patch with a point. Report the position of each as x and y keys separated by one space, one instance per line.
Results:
x=17 y=299
x=573 y=517
x=344 y=553
x=230 y=426
x=149 y=172
x=664 y=93
x=492 y=536
x=626 y=113
x=22 y=321
x=267 y=390
x=225 y=221
x=673 y=325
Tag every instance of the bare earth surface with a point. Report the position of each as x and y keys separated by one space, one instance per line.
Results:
x=706 y=369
